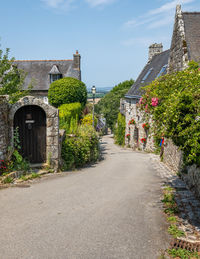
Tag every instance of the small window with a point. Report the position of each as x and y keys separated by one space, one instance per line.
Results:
x=162 y=71
x=45 y=99
x=54 y=77
x=147 y=74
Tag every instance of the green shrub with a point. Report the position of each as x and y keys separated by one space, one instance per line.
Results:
x=69 y=115
x=67 y=90
x=120 y=130
x=177 y=112
x=81 y=149
x=88 y=120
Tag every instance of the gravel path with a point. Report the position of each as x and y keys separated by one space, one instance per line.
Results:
x=109 y=210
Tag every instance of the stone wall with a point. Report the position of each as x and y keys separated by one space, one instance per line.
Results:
x=4 y=130
x=172 y=156
x=192 y=178
x=178 y=59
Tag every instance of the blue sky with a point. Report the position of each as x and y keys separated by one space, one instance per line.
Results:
x=112 y=36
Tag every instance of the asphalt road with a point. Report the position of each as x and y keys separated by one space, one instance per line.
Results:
x=109 y=210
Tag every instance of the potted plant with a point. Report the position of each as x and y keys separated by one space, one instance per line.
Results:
x=146 y=126
x=128 y=136
x=132 y=122
x=143 y=140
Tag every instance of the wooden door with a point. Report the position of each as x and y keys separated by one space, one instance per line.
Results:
x=31 y=123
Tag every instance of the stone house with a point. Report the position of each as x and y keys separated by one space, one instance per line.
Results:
x=41 y=73
x=156 y=66
x=37 y=121
x=184 y=48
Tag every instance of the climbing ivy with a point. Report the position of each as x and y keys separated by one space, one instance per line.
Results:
x=174 y=103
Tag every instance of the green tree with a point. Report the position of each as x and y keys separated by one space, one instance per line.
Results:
x=67 y=90
x=11 y=78
x=110 y=103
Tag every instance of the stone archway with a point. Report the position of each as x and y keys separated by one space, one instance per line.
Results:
x=52 y=125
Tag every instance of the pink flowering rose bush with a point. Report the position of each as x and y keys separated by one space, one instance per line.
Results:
x=154 y=101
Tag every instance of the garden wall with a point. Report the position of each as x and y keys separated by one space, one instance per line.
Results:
x=136 y=131
x=4 y=130
x=173 y=157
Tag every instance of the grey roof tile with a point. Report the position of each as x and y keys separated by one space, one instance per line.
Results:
x=149 y=73
x=192 y=34
x=38 y=71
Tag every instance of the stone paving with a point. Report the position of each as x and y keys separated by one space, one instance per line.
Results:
x=188 y=204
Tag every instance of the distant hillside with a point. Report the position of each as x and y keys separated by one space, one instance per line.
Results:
x=100 y=92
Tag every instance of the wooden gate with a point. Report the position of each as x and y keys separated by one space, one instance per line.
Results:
x=31 y=123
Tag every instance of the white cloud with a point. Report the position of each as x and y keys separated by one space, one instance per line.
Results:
x=94 y=3
x=66 y=4
x=145 y=41
x=53 y=3
x=158 y=17
x=169 y=6
x=137 y=41
x=62 y=5
x=161 y=22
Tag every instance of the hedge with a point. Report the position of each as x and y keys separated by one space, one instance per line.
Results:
x=120 y=130
x=82 y=149
x=69 y=115
x=67 y=90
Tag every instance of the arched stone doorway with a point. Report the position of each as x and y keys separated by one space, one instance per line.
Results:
x=50 y=117
x=30 y=122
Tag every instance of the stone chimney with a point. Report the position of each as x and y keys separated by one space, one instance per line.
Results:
x=77 y=61
x=155 y=49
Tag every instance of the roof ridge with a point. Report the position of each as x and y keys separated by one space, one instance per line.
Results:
x=191 y=12
x=157 y=55
x=44 y=60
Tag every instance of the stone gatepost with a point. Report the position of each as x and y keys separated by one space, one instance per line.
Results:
x=4 y=130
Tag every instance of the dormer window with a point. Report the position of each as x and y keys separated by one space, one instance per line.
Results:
x=55 y=77
x=162 y=71
x=54 y=74
x=147 y=74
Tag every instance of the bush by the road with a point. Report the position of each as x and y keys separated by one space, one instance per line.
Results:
x=67 y=90
x=81 y=149
x=69 y=115
x=120 y=130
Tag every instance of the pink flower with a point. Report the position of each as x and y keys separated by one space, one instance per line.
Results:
x=154 y=101
x=146 y=108
x=141 y=101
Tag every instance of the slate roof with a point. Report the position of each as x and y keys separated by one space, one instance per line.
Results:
x=153 y=67
x=39 y=70
x=192 y=34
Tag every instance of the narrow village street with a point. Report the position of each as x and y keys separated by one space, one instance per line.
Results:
x=109 y=210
